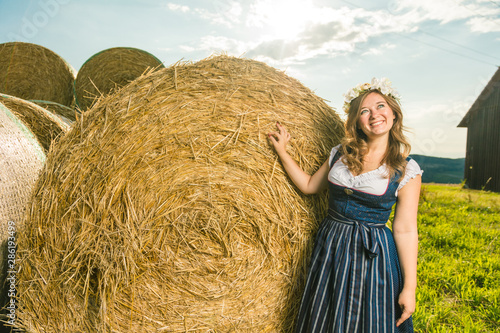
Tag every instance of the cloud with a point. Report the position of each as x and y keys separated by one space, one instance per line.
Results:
x=484 y=25
x=276 y=49
x=424 y=10
x=317 y=34
x=380 y=49
x=291 y=31
x=177 y=8
x=219 y=12
x=446 y=115
x=290 y=52
x=225 y=13
x=289 y=14
x=479 y=15
x=333 y=32
x=218 y=44
x=187 y=48
x=435 y=124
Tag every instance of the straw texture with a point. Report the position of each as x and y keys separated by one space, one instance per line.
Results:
x=109 y=70
x=165 y=209
x=45 y=126
x=21 y=159
x=31 y=71
x=66 y=114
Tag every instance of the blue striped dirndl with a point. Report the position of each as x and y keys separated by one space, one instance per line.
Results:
x=354 y=280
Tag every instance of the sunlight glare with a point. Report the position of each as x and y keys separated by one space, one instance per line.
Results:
x=285 y=19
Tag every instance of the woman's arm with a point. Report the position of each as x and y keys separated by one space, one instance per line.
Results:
x=406 y=238
x=307 y=184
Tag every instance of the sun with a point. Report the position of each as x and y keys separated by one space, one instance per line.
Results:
x=283 y=19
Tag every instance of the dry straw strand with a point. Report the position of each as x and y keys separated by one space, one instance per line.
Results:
x=33 y=72
x=21 y=159
x=109 y=70
x=66 y=114
x=157 y=212
x=43 y=124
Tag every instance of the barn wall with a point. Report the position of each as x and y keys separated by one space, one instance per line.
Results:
x=482 y=160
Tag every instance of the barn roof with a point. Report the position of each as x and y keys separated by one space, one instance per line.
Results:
x=490 y=87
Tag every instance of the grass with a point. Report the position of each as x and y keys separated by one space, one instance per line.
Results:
x=459 y=260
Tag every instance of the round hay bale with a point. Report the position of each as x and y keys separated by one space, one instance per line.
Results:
x=109 y=70
x=21 y=159
x=45 y=126
x=66 y=114
x=31 y=71
x=166 y=209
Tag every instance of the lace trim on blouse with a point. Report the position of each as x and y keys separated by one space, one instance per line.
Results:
x=372 y=182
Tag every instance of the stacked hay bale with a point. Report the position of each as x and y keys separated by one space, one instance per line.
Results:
x=43 y=124
x=166 y=209
x=31 y=71
x=109 y=70
x=21 y=159
x=26 y=134
x=66 y=114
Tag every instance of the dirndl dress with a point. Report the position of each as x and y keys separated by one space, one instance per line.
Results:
x=354 y=277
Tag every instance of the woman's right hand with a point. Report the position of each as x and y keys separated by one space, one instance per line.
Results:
x=305 y=183
x=279 y=139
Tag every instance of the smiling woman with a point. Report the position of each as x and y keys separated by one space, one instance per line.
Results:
x=362 y=275
x=376 y=116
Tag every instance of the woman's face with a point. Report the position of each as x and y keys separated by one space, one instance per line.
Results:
x=375 y=116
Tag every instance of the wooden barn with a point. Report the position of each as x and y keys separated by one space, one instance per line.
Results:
x=482 y=158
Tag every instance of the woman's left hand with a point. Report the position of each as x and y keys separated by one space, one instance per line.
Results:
x=407 y=303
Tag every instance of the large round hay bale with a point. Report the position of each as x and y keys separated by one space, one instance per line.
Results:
x=66 y=114
x=45 y=126
x=165 y=208
x=108 y=70
x=31 y=71
x=21 y=159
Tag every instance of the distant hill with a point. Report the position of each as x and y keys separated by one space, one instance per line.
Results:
x=441 y=170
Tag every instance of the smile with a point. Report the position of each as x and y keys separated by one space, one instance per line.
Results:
x=376 y=123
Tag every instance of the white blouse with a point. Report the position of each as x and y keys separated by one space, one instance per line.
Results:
x=372 y=182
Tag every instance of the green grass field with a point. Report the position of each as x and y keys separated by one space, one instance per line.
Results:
x=459 y=260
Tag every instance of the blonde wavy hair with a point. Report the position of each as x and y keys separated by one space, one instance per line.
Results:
x=354 y=145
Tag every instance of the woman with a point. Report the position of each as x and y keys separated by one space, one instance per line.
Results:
x=362 y=276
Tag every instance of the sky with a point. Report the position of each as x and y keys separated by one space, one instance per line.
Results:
x=439 y=54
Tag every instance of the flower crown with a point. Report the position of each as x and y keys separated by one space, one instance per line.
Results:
x=383 y=85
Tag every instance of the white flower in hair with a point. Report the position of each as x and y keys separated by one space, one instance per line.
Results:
x=383 y=85
x=350 y=95
x=364 y=86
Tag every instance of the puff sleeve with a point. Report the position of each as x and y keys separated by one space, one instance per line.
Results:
x=332 y=154
x=412 y=171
